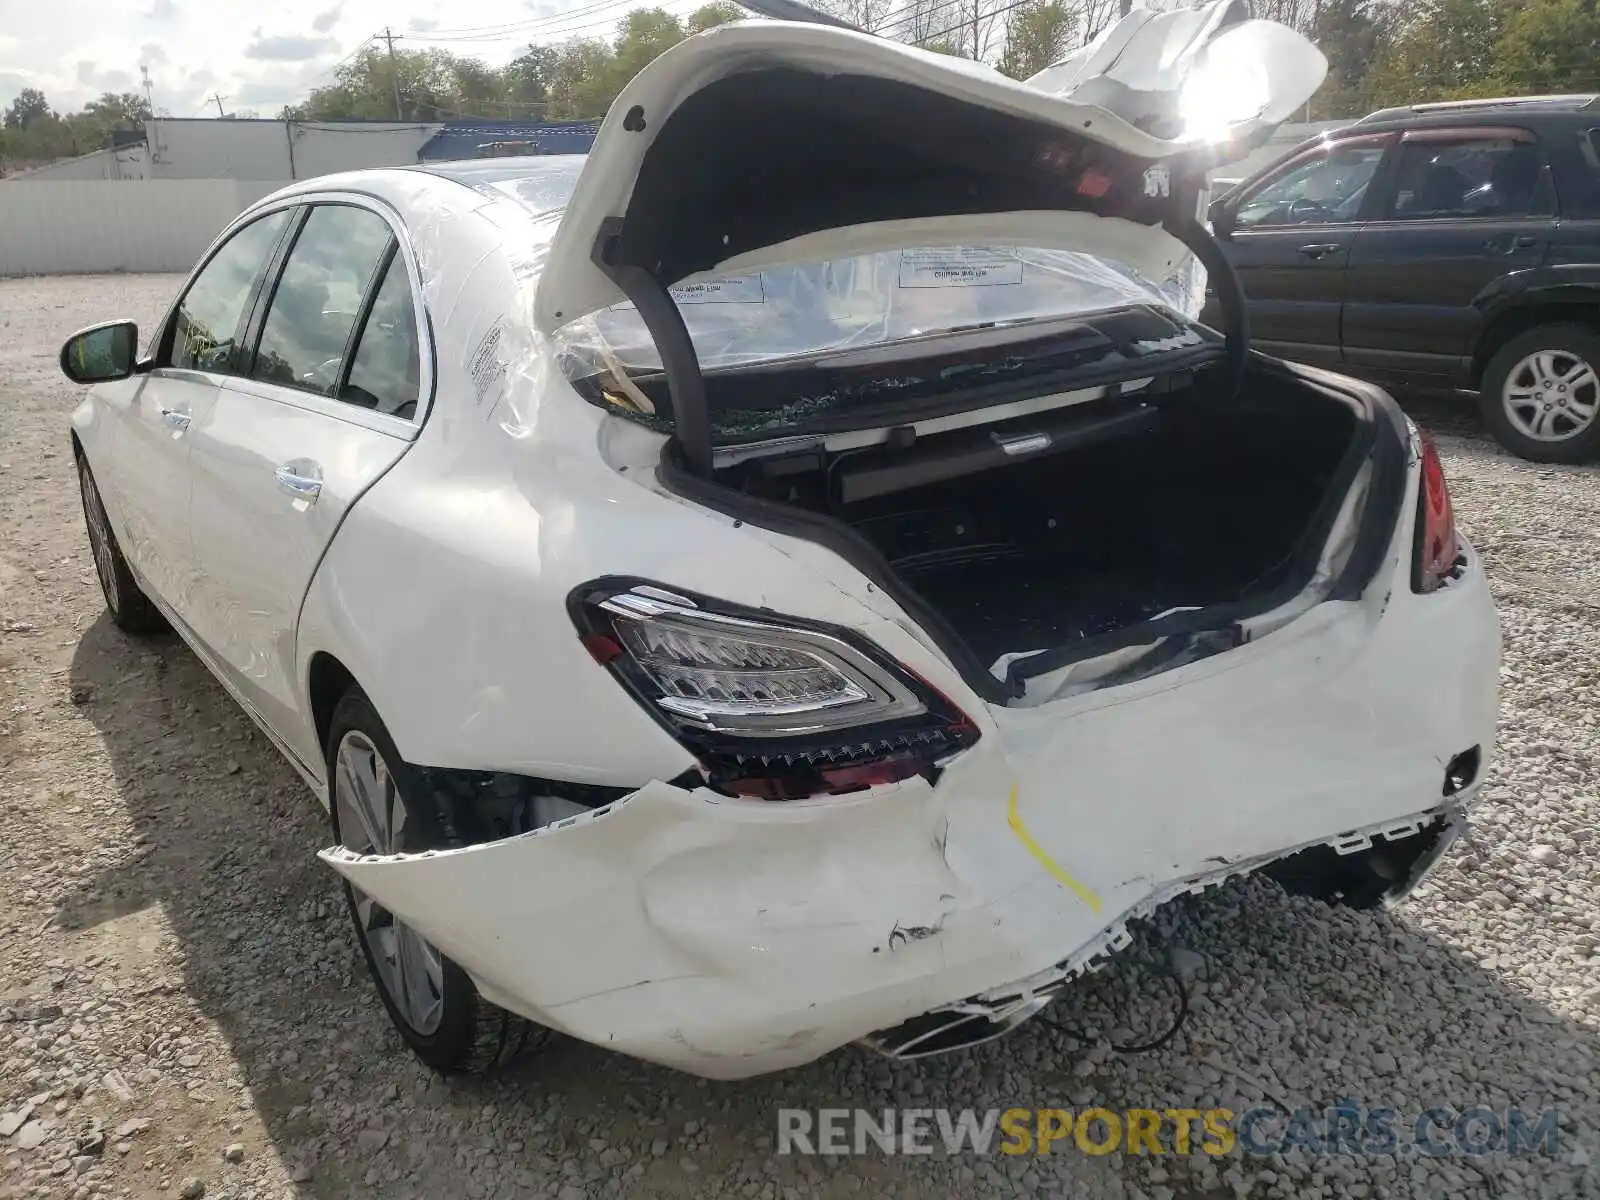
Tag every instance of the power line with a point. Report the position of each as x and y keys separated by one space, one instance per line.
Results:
x=470 y=33
x=566 y=24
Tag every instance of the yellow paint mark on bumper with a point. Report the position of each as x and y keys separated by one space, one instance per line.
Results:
x=1057 y=871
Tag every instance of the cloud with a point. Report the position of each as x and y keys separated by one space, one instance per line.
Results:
x=161 y=10
x=289 y=48
x=90 y=76
x=424 y=24
x=152 y=55
x=325 y=21
x=202 y=78
x=279 y=86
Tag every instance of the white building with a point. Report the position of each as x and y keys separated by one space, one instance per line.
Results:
x=248 y=149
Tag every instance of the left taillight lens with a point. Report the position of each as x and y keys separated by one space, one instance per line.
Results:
x=1437 y=545
x=770 y=706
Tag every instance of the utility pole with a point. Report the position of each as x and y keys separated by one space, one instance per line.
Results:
x=394 y=73
x=152 y=135
x=218 y=99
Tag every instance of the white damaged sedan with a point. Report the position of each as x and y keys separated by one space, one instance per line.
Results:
x=799 y=575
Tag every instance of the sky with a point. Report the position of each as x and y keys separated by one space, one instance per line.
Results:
x=256 y=56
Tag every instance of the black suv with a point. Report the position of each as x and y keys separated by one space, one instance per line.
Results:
x=1440 y=247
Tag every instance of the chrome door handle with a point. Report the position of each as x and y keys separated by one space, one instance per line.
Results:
x=291 y=478
x=178 y=420
x=1321 y=249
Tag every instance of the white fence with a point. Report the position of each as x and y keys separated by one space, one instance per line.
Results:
x=50 y=227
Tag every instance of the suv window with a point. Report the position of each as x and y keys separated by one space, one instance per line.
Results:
x=1325 y=187
x=318 y=298
x=1587 y=202
x=208 y=316
x=386 y=372
x=1485 y=177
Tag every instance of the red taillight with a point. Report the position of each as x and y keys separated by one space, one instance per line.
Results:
x=1438 y=548
x=775 y=707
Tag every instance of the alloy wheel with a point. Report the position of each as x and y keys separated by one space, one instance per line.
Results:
x=100 y=544
x=372 y=819
x=1551 y=395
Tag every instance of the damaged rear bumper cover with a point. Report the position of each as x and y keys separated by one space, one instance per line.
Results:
x=682 y=963
x=729 y=937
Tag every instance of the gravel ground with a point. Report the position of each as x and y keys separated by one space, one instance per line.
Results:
x=183 y=1010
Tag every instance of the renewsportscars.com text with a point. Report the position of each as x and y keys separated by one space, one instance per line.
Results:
x=1344 y=1129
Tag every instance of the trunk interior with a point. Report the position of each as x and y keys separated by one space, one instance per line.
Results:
x=1130 y=509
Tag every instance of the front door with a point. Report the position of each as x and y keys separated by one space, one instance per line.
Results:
x=327 y=404
x=1290 y=244
x=1460 y=209
x=146 y=469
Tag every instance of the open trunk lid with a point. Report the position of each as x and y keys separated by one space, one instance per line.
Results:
x=763 y=142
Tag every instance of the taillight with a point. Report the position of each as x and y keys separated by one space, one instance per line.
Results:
x=772 y=707
x=1437 y=547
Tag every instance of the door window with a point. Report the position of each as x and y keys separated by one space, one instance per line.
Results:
x=1584 y=189
x=1326 y=187
x=1495 y=177
x=318 y=298
x=209 y=314
x=386 y=372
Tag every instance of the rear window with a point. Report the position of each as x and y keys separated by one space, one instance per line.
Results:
x=817 y=308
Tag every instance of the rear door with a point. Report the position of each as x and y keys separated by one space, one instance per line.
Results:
x=1575 y=162
x=145 y=470
x=1459 y=209
x=1290 y=244
x=331 y=397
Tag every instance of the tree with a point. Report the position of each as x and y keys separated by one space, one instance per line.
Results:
x=642 y=35
x=580 y=80
x=29 y=106
x=720 y=12
x=527 y=79
x=1440 y=50
x=1351 y=33
x=1039 y=33
x=1549 y=46
x=870 y=15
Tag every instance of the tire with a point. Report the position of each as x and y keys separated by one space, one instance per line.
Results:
x=1547 y=378
x=130 y=609
x=441 y=1018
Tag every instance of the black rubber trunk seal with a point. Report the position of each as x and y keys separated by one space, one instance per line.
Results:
x=833 y=534
x=1230 y=294
x=1301 y=562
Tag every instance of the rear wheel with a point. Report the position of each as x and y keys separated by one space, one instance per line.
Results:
x=130 y=609
x=1541 y=394
x=381 y=806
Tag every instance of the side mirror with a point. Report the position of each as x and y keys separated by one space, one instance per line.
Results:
x=101 y=353
x=1220 y=214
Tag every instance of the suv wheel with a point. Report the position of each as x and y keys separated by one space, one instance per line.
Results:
x=1541 y=394
x=380 y=805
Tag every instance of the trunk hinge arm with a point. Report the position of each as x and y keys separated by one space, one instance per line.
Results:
x=1230 y=293
x=686 y=384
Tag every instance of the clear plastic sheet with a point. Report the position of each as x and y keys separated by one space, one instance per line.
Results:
x=870 y=300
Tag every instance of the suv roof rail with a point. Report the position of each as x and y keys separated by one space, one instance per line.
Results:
x=1577 y=100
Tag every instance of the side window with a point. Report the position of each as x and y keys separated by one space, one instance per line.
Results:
x=1587 y=202
x=318 y=297
x=208 y=315
x=386 y=372
x=1487 y=177
x=1327 y=187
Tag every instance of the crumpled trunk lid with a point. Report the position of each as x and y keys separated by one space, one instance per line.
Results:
x=812 y=142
